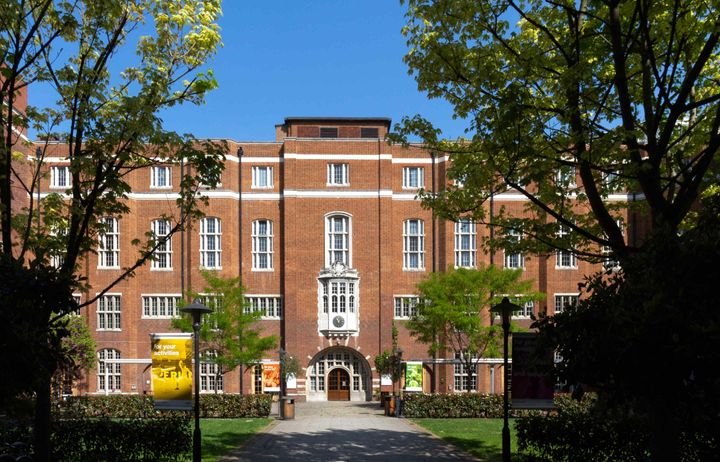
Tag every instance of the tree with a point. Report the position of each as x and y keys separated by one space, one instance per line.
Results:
x=77 y=349
x=621 y=96
x=113 y=67
x=390 y=362
x=231 y=330
x=453 y=311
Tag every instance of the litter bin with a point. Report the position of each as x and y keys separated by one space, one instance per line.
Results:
x=390 y=406
x=287 y=405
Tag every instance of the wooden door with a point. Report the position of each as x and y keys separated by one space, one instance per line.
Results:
x=338 y=385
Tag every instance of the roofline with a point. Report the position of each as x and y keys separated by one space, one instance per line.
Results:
x=385 y=120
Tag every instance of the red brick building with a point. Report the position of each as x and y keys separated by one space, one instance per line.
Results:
x=323 y=227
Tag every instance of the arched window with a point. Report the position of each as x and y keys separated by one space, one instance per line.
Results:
x=108 y=371
x=210 y=243
x=262 y=245
x=413 y=245
x=337 y=240
x=465 y=243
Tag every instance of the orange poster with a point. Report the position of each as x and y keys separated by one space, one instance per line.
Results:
x=271 y=377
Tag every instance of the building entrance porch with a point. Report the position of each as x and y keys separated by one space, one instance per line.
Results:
x=338 y=385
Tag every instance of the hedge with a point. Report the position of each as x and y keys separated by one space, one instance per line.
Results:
x=139 y=406
x=166 y=438
x=457 y=405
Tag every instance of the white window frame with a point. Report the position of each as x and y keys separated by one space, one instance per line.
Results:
x=339 y=295
x=405 y=306
x=564 y=259
x=465 y=243
x=564 y=300
x=109 y=312
x=109 y=373
x=526 y=310
x=609 y=262
x=211 y=243
x=109 y=244
x=210 y=380
x=514 y=260
x=160 y=306
x=162 y=256
x=413 y=182
x=417 y=251
x=262 y=246
x=338 y=174
x=460 y=376
x=332 y=250
x=160 y=177
x=270 y=306
x=566 y=176
x=262 y=177
x=60 y=176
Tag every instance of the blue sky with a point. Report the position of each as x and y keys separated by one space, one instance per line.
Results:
x=308 y=58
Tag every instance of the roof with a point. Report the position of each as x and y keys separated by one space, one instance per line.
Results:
x=383 y=120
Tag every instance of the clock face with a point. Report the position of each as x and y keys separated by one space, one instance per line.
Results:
x=338 y=321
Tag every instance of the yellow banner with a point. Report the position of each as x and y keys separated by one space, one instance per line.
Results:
x=172 y=375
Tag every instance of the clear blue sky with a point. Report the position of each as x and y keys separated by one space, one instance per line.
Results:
x=308 y=58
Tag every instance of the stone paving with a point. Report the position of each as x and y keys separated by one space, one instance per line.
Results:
x=344 y=431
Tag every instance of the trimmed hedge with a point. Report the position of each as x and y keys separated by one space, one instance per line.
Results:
x=139 y=406
x=167 y=438
x=452 y=405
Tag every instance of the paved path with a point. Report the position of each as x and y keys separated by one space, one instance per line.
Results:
x=333 y=431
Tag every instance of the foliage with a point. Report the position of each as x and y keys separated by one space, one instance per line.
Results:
x=231 y=329
x=140 y=407
x=77 y=350
x=158 y=439
x=621 y=338
x=289 y=364
x=567 y=103
x=452 y=405
x=453 y=311
x=107 y=121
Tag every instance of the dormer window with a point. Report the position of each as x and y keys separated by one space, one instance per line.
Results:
x=328 y=132
x=369 y=132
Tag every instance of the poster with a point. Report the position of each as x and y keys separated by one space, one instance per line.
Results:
x=533 y=383
x=413 y=376
x=271 y=377
x=171 y=370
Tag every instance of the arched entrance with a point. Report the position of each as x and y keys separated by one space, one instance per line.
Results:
x=338 y=373
x=338 y=385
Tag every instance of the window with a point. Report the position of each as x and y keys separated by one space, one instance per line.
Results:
x=269 y=306
x=413 y=245
x=337 y=242
x=160 y=177
x=108 y=312
x=405 y=307
x=211 y=379
x=413 y=177
x=108 y=371
x=262 y=177
x=369 y=132
x=462 y=381
x=162 y=257
x=565 y=176
x=564 y=258
x=109 y=245
x=338 y=175
x=562 y=301
x=160 y=306
x=210 y=243
x=526 y=311
x=609 y=262
x=262 y=245
x=77 y=298
x=517 y=259
x=338 y=295
x=57 y=254
x=60 y=177
x=258 y=382
x=465 y=247
x=612 y=181
x=328 y=132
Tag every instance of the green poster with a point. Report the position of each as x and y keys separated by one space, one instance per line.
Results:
x=413 y=376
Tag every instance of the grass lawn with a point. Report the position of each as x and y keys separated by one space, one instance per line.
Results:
x=480 y=437
x=221 y=435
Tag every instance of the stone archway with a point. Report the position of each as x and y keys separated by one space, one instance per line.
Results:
x=333 y=365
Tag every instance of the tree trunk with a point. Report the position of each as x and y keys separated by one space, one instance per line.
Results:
x=242 y=392
x=664 y=437
x=41 y=431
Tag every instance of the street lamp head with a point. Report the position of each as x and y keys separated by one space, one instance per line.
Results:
x=505 y=309
x=196 y=310
x=240 y=151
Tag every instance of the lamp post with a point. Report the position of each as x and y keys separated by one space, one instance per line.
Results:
x=196 y=310
x=505 y=309
x=398 y=352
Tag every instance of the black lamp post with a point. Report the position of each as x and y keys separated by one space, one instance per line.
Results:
x=196 y=310
x=505 y=309
x=398 y=352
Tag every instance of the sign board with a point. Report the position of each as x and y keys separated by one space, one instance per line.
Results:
x=386 y=380
x=271 y=377
x=413 y=376
x=533 y=383
x=171 y=371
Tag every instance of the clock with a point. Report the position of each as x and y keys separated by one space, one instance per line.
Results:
x=338 y=321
